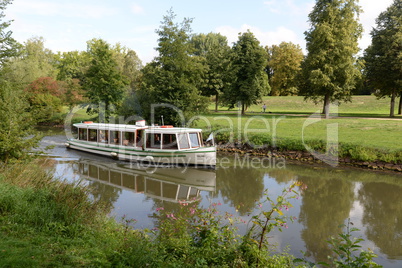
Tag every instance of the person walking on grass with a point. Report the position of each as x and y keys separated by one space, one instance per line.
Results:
x=264 y=107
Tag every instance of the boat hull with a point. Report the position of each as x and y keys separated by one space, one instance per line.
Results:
x=203 y=156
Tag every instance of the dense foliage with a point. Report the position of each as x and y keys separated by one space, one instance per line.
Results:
x=172 y=80
x=104 y=84
x=383 y=58
x=284 y=62
x=9 y=45
x=17 y=135
x=249 y=82
x=331 y=70
x=215 y=51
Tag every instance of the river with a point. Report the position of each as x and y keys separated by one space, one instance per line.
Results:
x=371 y=200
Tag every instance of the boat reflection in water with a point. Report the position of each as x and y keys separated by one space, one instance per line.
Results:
x=171 y=184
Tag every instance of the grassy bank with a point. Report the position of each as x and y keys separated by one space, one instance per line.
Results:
x=359 y=139
x=49 y=223
x=361 y=128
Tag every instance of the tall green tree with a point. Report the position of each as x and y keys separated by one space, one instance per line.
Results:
x=72 y=65
x=33 y=61
x=104 y=83
x=214 y=49
x=172 y=80
x=129 y=64
x=17 y=135
x=383 y=58
x=331 y=69
x=284 y=64
x=8 y=45
x=249 y=80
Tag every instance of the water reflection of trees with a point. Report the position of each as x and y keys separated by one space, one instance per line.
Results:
x=240 y=187
x=326 y=204
x=382 y=217
x=105 y=193
x=282 y=175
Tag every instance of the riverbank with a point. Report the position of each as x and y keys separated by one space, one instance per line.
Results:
x=359 y=133
x=47 y=222
x=307 y=157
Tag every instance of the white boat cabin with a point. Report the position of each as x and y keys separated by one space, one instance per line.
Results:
x=140 y=136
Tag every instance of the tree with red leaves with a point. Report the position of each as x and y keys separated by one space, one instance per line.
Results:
x=44 y=97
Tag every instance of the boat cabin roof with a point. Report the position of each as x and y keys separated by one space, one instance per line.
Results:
x=128 y=128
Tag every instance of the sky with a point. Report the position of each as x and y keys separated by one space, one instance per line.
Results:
x=67 y=25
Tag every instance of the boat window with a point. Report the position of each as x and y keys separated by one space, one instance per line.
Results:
x=139 y=138
x=194 y=140
x=74 y=132
x=153 y=140
x=114 y=137
x=183 y=141
x=103 y=136
x=169 y=141
x=93 y=133
x=83 y=134
x=128 y=138
x=200 y=139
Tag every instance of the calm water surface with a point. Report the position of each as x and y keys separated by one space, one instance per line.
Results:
x=372 y=200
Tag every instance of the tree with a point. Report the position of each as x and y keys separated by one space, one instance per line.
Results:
x=331 y=69
x=33 y=61
x=72 y=65
x=8 y=45
x=214 y=48
x=71 y=92
x=44 y=98
x=104 y=84
x=17 y=135
x=383 y=58
x=284 y=63
x=249 y=80
x=128 y=64
x=172 y=80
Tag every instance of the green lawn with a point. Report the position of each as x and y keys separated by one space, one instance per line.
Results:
x=373 y=133
x=361 y=106
x=363 y=122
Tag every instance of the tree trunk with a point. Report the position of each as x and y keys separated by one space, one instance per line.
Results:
x=400 y=105
x=243 y=109
x=327 y=102
x=392 y=109
x=216 y=102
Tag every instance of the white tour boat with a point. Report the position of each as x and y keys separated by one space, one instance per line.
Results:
x=154 y=144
